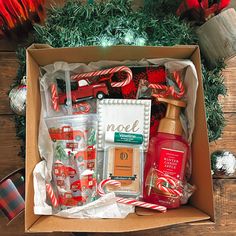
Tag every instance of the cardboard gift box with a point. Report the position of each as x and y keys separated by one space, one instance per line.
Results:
x=200 y=206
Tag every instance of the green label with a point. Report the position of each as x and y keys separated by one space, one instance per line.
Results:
x=128 y=138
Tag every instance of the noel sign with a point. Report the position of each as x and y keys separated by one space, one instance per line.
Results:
x=125 y=116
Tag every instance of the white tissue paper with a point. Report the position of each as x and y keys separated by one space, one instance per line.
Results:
x=106 y=206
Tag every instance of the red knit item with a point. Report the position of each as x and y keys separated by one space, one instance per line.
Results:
x=129 y=88
x=156 y=76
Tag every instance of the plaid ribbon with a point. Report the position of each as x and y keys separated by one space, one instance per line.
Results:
x=12 y=193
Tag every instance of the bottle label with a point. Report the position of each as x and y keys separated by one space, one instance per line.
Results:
x=171 y=162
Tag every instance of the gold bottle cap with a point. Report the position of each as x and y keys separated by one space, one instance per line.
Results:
x=171 y=122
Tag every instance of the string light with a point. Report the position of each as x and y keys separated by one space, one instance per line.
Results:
x=129 y=37
x=140 y=41
x=106 y=42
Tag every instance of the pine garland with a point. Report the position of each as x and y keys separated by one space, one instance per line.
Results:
x=115 y=22
x=110 y=24
x=213 y=83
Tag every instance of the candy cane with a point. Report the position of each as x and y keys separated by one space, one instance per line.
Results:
x=52 y=195
x=103 y=183
x=54 y=97
x=128 y=201
x=107 y=72
x=170 y=90
x=134 y=202
x=170 y=181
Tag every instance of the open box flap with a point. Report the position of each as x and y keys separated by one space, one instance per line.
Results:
x=44 y=55
x=201 y=174
x=32 y=121
x=132 y=223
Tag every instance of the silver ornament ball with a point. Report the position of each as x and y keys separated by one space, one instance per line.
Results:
x=224 y=163
x=17 y=98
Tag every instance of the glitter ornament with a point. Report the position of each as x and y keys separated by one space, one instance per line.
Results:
x=223 y=163
x=17 y=98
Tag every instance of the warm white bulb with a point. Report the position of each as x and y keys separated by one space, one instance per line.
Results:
x=129 y=37
x=106 y=42
x=140 y=41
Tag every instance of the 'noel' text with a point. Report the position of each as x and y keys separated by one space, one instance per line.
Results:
x=124 y=128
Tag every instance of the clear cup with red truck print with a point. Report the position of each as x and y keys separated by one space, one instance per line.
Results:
x=74 y=158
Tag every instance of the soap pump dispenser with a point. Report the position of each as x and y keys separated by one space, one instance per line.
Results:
x=166 y=158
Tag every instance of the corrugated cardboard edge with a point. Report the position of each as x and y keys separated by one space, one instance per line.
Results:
x=37 y=224
x=31 y=154
x=203 y=139
x=38 y=52
x=130 y=224
x=38 y=46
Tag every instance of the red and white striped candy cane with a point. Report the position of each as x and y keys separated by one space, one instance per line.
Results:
x=173 y=190
x=108 y=72
x=103 y=183
x=128 y=201
x=135 y=202
x=55 y=104
x=169 y=180
x=170 y=90
x=52 y=195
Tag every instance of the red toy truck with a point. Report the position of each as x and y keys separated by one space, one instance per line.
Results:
x=65 y=133
x=63 y=171
x=87 y=181
x=67 y=199
x=85 y=91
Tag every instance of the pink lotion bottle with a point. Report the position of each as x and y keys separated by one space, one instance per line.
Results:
x=167 y=155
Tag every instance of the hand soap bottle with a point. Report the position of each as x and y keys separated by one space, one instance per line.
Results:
x=167 y=156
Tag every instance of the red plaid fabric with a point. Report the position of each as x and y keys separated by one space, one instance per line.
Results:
x=12 y=194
